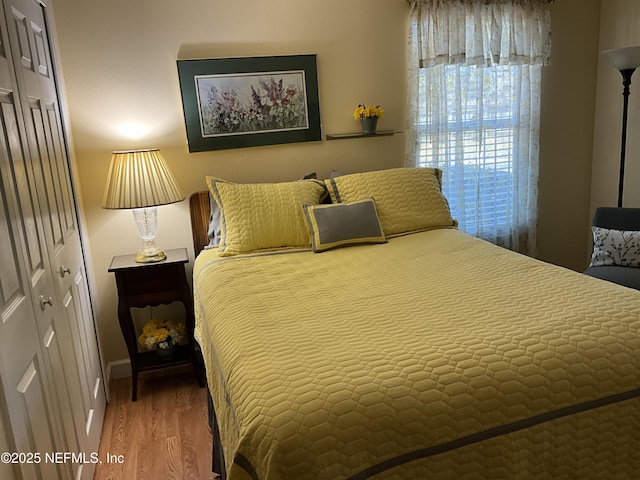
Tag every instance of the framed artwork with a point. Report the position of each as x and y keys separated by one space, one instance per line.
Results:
x=250 y=101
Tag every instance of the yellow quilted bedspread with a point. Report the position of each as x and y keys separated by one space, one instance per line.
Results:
x=436 y=355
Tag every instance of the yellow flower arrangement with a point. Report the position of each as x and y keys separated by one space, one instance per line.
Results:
x=372 y=111
x=161 y=334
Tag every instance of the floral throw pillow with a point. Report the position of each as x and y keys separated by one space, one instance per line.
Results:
x=615 y=247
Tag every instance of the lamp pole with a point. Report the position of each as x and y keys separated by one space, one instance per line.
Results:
x=626 y=83
x=625 y=60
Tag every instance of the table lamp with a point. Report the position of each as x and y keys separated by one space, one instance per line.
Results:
x=141 y=180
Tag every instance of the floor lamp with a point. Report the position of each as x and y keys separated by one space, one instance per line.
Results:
x=626 y=60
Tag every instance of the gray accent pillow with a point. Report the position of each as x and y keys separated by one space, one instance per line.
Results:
x=214 y=224
x=342 y=224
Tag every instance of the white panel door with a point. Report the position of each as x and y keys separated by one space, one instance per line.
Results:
x=31 y=421
x=54 y=266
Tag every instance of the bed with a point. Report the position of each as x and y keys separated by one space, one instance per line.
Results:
x=362 y=335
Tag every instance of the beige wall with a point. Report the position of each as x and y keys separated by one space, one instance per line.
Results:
x=566 y=135
x=618 y=28
x=119 y=65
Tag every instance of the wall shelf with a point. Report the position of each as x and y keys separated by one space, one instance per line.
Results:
x=342 y=136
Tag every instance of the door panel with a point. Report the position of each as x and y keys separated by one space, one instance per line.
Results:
x=17 y=164
x=22 y=45
x=43 y=178
x=89 y=352
x=10 y=272
x=30 y=392
x=41 y=57
x=63 y=180
x=54 y=344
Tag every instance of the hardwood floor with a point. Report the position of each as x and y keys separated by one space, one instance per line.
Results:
x=164 y=435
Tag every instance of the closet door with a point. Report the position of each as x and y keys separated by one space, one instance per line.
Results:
x=60 y=293
x=31 y=422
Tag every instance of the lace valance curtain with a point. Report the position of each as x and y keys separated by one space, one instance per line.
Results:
x=479 y=32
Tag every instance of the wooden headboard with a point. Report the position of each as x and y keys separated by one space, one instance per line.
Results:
x=200 y=212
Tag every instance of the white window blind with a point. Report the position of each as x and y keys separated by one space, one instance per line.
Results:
x=473 y=141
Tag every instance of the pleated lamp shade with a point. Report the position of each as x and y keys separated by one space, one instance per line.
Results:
x=139 y=179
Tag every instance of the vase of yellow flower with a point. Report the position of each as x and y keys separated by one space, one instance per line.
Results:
x=161 y=336
x=368 y=117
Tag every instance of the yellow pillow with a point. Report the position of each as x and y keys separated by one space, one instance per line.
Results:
x=262 y=216
x=407 y=199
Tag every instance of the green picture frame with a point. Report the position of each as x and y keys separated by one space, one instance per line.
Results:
x=250 y=101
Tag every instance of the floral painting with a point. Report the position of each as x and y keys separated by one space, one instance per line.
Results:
x=235 y=104
x=252 y=101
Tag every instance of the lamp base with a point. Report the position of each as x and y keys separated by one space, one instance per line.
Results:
x=142 y=257
x=147 y=224
x=150 y=253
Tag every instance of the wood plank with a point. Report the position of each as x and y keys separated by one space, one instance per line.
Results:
x=164 y=435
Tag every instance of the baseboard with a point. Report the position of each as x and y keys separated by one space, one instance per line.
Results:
x=118 y=369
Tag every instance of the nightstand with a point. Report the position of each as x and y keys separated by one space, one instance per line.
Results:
x=152 y=284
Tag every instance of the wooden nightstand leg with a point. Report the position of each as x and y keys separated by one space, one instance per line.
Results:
x=134 y=386
x=129 y=334
x=187 y=301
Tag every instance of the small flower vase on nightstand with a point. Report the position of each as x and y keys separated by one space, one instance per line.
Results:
x=166 y=354
x=369 y=125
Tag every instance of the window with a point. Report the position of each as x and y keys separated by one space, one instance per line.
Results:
x=472 y=136
x=474 y=104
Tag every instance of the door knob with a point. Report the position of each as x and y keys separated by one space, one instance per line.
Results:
x=64 y=271
x=45 y=301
